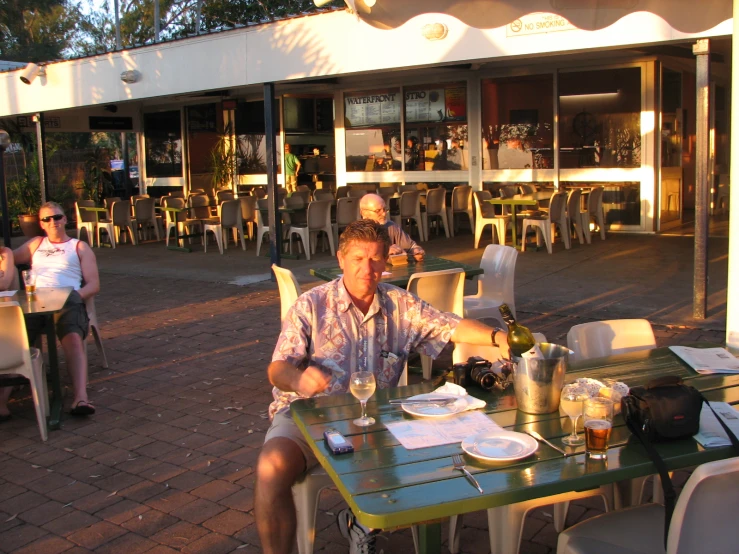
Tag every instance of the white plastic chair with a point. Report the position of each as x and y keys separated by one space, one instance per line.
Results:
x=461 y=204
x=574 y=217
x=444 y=290
x=495 y=285
x=231 y=219
x=16 y=357
x=248 y=213
x=319 y=219
x=704 y=520
x=223 y=195
x=120 y=220
x=262 y=227
x=145 y=217
x=410 y=209
x=86 y=220
x=595 y=210
x=347 y=211
x=485 y=215
x=324 y=194
x=435 y=207
x=95 y=329
x=288 y=287
x=545 y=225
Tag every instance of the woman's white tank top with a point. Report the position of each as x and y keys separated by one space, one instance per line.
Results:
x=57 y=264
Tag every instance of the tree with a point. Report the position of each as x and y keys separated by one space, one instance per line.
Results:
x=37 y=30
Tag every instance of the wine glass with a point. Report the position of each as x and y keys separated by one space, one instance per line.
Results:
x=571 y=402
x=362 y=385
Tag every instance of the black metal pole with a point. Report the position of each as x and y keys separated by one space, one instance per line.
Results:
x=275 y=228
x=701 y=50
x=4 y=191
x=41 y=144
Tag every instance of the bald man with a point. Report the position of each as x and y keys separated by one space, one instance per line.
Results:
x=372 y=206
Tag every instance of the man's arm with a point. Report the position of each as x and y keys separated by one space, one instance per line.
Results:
x=90 y=276
x=289 y=378
x=473 y=332
x=24 y=252
x=400 y=238
x=7 y=267
x=298 y=165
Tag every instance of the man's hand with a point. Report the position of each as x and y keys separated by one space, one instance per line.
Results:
x=312 y=381
x=395 y=250
x=418 y=257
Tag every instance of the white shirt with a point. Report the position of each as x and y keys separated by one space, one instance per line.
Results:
x=57 y=264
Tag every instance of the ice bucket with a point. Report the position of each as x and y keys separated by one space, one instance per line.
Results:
x=538 y=382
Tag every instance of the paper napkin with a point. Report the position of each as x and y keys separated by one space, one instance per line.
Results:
x=450 y=389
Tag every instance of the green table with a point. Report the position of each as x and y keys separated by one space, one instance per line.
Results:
x=45 y=303
x=387 y=486
x=399 y=275
x=514 y=202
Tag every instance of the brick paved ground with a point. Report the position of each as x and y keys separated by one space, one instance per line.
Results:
x=166 y=464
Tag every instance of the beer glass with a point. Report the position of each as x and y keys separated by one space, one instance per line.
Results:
x=362 y=386
x=29 y=279
x=597 y=414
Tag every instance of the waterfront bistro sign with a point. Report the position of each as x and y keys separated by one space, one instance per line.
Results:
x=421 y=105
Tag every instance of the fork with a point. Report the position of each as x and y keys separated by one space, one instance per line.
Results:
x=459 y=464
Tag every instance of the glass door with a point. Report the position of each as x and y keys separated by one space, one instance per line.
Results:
x=671 y=136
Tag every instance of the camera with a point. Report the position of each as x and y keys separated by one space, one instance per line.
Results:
x=479 y=371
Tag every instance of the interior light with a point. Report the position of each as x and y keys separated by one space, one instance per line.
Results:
x=592 y=96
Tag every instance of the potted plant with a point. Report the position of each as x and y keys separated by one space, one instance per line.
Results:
x=24 y=196
x=223 y=159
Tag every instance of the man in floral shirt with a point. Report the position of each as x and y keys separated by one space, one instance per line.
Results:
x=352 y=323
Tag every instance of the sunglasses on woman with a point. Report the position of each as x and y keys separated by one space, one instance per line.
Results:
x=55 y=217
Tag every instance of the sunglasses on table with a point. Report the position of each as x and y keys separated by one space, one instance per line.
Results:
x=55 y=217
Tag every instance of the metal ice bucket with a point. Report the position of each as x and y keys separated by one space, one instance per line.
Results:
x=538 y=382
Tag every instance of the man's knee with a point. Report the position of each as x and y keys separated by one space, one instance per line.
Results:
x=280 y=463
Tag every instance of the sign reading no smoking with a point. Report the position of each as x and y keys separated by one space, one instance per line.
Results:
x=538 y=23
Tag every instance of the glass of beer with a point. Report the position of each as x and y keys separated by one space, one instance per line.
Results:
x=362 y=385
x=597 y=414
x=29 y=278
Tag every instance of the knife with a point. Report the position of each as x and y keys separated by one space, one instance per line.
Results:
x=538 y=437
x=426 y=401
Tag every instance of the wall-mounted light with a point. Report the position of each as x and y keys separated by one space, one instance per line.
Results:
x=592 y=96
x=31 y=71
x=434 y=31
x=131 y=76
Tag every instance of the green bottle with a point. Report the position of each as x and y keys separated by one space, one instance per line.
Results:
x=520 y=339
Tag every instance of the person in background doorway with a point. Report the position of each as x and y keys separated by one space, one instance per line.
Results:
x=292 y=167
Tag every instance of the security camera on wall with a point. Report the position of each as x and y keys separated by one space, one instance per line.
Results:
x=31 y=71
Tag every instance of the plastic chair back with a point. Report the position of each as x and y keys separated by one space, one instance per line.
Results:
x=483 y=209
x=223 y=195
x=319 y=214
x=347 y=211
x=436 y=201
x=497 y=282
x=231 y=213
x=558 y=206
x=289 y=288
x=342 y=192
x=323 y=194
x=296 y=201
x=108 y=202
x=704 y=513
x=595 y=200
x=356 y=193
x=573 y=205
x=444 y=290
x=461 y=198
x=144 y=209
x=411 y=187
x=85 y=215
x=248 y=207
x=409 y=202
x=14 y=349
x=199 y=203
x=304 y=194
x=174 y=202
x=121 y=213
x=604 y=338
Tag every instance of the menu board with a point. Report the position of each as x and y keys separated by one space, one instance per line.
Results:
x=424 y=105
x=456 y=104
x=372 y=109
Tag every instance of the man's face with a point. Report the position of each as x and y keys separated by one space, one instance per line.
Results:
x=53 y=227
x=362 y=266
x=376 y=211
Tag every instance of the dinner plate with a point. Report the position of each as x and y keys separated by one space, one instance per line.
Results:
x=500 y=445
x=421 y=410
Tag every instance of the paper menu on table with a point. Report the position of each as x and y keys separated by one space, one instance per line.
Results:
x=708 y=360
x=7 y=293
x=710 y=432
x=421 y=433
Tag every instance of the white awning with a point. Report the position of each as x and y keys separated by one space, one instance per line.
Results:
x=689 y=16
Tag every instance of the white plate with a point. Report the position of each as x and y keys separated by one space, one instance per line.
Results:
x=498 y=446
x=434 y=411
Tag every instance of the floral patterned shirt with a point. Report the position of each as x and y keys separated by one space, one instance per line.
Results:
x=325 y=329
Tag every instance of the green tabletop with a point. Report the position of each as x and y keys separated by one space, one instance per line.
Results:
x=399 y=275
x=388 y=486
x=93 y=208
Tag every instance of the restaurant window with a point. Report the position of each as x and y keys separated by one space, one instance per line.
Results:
x=372 y=122
x=436 y=128
x=600 y=118
x=517 y=116
x=252 y=151
x=203 y=124
x=163 y=136
x=309 y=130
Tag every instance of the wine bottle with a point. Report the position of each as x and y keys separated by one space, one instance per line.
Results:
x=520 y=339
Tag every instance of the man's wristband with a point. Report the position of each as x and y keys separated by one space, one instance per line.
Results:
x=492 y=336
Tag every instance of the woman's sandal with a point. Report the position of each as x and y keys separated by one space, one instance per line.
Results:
x=82 y=408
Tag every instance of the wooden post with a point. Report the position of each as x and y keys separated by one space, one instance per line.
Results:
x=702 y=52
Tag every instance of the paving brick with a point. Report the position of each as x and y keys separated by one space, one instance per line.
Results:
x=212 y=543
x=161 y=549
x=130 y=543
x=216 y=490
x=198 y=511
x=179 y=535
x=242 y=500
x=24 y=502
x=70 y=522
x=46 y=545
x=43 y=513
x=142 y=491
x=96 y=535
x=188 y=481
x=150 y=523
x=72 y=491
x=19 y=536
x=122 y=511
x=170 y=500
x=229 y=522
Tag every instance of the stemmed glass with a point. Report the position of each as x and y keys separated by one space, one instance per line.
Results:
x=571 y=402
x=362 y=385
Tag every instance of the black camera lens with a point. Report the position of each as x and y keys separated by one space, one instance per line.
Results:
x=483 y=376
